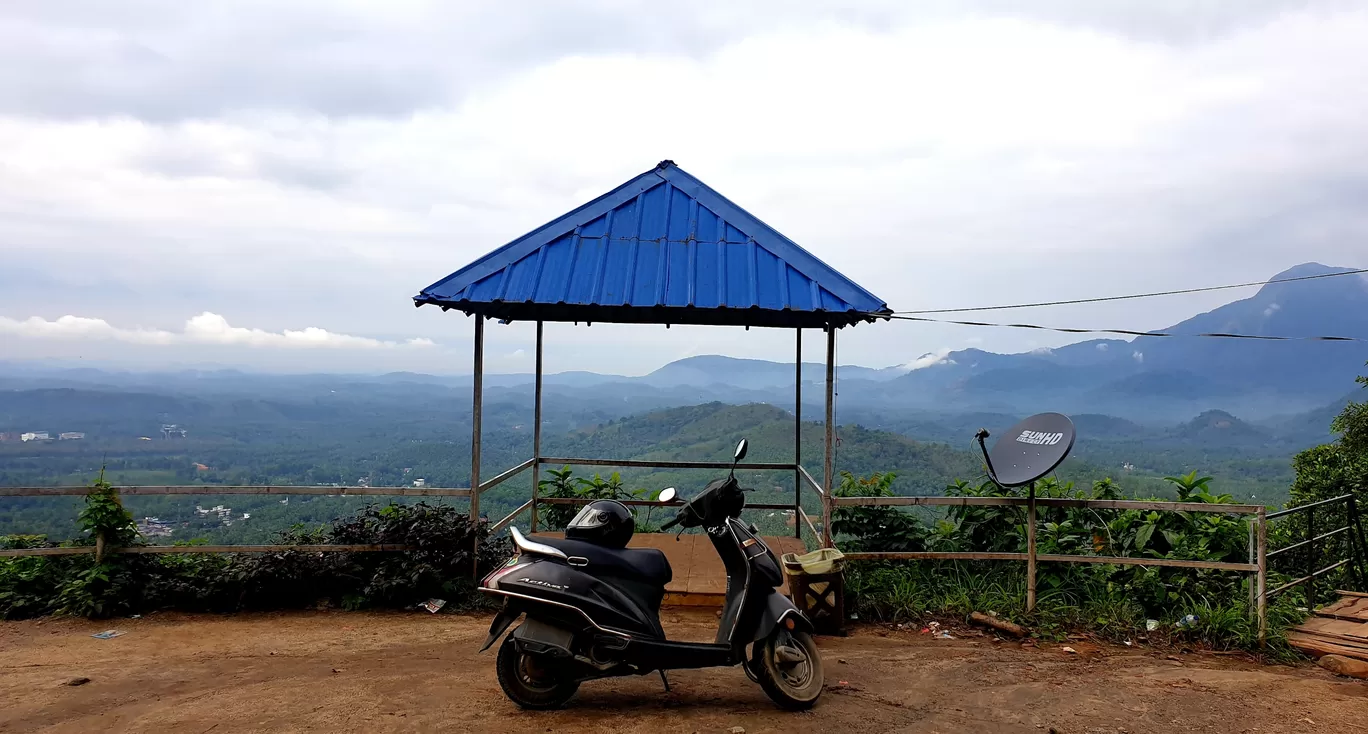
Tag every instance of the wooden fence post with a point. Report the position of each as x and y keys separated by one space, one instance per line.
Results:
x=1263 y=576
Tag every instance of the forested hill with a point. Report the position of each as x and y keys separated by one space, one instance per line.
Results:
x=710 y=432
x=388 y=455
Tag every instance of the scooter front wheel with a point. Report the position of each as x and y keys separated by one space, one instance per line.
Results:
x=789 y=668
x=532 y=681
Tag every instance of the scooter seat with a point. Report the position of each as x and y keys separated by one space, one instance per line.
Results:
x=639 y=564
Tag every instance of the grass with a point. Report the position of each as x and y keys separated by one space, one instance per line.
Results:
x=1079 y=603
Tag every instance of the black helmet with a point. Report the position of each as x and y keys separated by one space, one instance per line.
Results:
x=603 y=522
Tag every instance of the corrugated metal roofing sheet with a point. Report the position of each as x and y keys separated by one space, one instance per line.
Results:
x=662 y=248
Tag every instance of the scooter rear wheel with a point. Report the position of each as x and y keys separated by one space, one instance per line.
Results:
x=789 y=668
x=531 y=681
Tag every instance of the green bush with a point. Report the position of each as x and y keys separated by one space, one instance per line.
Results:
x=1110 y=599
x=561 y=483
x=442 y=565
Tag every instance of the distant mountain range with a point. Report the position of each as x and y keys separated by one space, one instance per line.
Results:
x=1147 y=381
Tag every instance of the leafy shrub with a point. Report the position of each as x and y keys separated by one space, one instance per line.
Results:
x=1111 y=599
x=443 y=563
x=875 y=528
x=563 y=484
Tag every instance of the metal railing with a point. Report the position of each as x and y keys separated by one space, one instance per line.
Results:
x=1313 y=545
x=800 y=518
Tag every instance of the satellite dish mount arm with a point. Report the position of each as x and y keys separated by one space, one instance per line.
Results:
x=988 y=460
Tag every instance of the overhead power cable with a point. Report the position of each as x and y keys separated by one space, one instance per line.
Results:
x=1124 y=332
x=1135 y=295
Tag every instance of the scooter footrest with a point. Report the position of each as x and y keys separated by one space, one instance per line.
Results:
x=611 y=642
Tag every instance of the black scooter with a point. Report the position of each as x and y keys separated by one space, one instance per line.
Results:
x=594 y=612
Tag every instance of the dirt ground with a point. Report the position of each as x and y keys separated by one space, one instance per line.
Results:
x=402 y=672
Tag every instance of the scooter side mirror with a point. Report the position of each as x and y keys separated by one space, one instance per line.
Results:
x=666 y=495
x=741 y=450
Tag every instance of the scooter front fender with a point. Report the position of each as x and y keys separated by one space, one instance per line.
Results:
x=778 y=610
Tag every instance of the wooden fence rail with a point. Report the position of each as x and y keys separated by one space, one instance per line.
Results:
x=1257 y=567
x=209 y=489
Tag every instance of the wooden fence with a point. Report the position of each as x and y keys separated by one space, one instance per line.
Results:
x=210 y=489
x=1259 y=556
x=1257 y=566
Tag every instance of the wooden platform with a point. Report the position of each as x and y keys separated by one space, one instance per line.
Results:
x=699 y=578
x=1338 y=629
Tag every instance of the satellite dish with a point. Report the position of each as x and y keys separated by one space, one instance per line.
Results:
x=1029 y=450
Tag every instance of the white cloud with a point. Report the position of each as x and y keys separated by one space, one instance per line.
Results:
x=929 y=359
x=1138 y=356
x=78 y=327
x=206 y=328
x=914 y=149
x=1102 y=347
x=1272 y=309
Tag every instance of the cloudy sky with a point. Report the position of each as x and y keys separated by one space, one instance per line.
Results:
x=266 y=184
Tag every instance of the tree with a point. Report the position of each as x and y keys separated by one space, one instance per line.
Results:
x=1332 y=469
x=1352 y=426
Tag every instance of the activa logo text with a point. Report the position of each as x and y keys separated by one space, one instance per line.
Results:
x=535 y=582
x=1036 y=438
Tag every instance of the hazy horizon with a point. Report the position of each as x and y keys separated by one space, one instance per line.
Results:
x=183 y=188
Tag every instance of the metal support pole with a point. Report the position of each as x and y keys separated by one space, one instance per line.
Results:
x=1262 y=560
x=830 y=476
x=1031 y=550
x=476 y=411
x=1356 y=531
x=536 y=431
x=798 y=438
x=1253 y=551
x=1312 y=559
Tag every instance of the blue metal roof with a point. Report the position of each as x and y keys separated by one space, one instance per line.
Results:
x=663 y=248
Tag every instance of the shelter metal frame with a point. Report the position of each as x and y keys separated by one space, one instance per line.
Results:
x=801 y=475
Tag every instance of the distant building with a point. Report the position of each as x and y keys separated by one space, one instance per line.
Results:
x=7 y=437
x=224 y=514
x=70 y=436
x=201 y=467
x=35 y=436
x=171 y=430
x=153 y=527
x=144 y=438
x=420 y=482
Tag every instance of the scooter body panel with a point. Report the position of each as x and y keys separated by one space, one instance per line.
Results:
x=752 y=576
x=564 y=586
